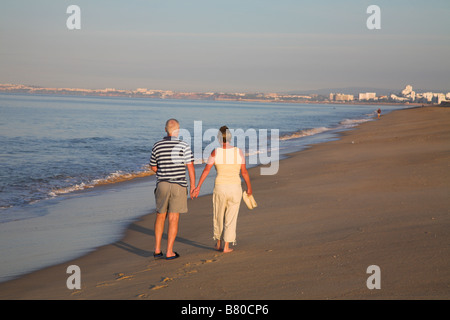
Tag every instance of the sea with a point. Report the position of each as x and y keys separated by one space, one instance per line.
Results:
x=59 y=152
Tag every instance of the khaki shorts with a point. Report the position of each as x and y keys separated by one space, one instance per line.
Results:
x=171 y=198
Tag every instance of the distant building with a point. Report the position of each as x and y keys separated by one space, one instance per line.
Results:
x=141 y=90
x=343 y=97
x=407 y=90
x=428 y=96
x=408 y=93
x=398 y=99
x=440 y=97
x=368 y=96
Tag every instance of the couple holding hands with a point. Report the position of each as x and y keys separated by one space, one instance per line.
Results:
x=169 y=159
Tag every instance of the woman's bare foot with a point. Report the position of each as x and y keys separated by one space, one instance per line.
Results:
x=217 y=246
x=226 y=248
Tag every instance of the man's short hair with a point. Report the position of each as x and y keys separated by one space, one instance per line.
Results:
x=172 y=125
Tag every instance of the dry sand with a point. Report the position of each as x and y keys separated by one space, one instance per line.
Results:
x=377 y=196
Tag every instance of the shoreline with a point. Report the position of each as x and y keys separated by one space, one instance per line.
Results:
x=118 y=176
x=319 y=235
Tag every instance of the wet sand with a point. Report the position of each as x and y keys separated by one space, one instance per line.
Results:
x=377 y=196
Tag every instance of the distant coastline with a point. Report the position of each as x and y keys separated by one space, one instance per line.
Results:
x=331 y=98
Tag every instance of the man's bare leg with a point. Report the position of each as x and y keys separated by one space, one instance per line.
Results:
x=172 y=233
x=159 y=229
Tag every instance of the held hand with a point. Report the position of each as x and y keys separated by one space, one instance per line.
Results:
x=192 y=193
x=249 y=191
x=195 y=192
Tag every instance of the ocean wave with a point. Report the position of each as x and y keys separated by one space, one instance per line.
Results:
x=115 y=177
x=304 y=133
x=120 y=176
x=350 y=123
x=64 y=190
x=344 y=124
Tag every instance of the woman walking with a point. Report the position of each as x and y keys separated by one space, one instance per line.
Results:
x=229 y=162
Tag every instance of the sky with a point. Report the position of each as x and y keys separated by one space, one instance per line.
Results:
x=226 y=45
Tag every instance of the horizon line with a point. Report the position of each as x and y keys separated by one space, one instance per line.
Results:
x=232 y=91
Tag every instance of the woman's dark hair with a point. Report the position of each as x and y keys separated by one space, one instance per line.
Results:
x=225 y=134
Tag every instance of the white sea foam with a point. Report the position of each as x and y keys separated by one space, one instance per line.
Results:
x=115 y=177
x=350 y=123
x=344 y=124
x=304 y=133
x=77 y=187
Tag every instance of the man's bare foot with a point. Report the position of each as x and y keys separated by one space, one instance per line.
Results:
x=217 y=246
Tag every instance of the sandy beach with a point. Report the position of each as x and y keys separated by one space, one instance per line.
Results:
x=379 y=195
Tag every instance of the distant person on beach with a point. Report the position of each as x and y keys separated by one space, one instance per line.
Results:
x=229 y=162
x=379 y=113
x=169 y=159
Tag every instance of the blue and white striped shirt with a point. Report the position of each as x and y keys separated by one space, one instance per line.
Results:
x=170 y=155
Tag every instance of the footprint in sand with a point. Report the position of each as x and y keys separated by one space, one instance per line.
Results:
x=75 y=292
x=191 y=271
x=121 y=276
x=166 y=279
x=188 y=268
x=104 y=284
x=162 y=285
x=208 y=261
x=155 y=287
x=118 y=277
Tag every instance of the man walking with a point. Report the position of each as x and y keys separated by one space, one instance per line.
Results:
x=169 y=159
